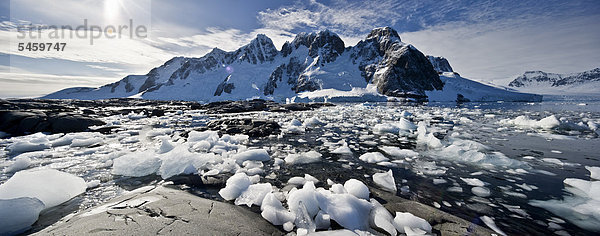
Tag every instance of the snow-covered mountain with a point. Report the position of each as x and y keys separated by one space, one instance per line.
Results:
x=584 y=83
x=380 y=66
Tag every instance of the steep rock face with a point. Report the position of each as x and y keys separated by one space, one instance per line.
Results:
x=540 y=78
x=406 y=72
x=440 y=64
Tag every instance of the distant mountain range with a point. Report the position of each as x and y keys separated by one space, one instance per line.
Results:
x=587 y=82
x=315 y=66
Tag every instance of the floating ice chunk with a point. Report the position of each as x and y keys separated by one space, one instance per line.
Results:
x=209 y=136
x=406 y=219
x=234 y=186
x=136 y=164
x=490 y=223
x=373 y=157
x=308 y=177
x=455 y=189
x=553 y=161
x=527 y=186
x=397 y=152
x=254 y=154
x=26 y=146
x=93 y=184
x=439 y=181
x=525 y=122
x=313 y=121
x=18 y=214
x=594 y=172
x=296 y=180
x=394 y=128
x=473 y=182
x=481 y=191
x=21 y=163
x=303 y=158
x=51 y=186
x=338 y=188
x=305 y=195
x=385 y=181
x=254 y=194
x=347 y=210
x=381 y=218
x=86 y=142
x=274 y=212
x=344 y=149
x=357 y=188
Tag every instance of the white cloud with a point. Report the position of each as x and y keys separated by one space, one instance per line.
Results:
x=15 y=85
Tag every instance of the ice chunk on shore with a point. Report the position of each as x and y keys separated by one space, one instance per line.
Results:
x=181 y=161
x=274 y=212
x=373 y=157
x=253 y=154
x=381 y=218
x=386 y=181
x=254 y=194
x=490 y=223
x=306 y=195
x=51 y=186
x=357 y=188
x=406 y=219
x=347 y=210
x=303 y=158
x=136 y=164
x=234 y=186
x=18 y=214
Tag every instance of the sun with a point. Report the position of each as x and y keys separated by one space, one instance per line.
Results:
x=111 y=9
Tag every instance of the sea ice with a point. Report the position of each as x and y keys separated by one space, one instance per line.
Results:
x=274 y=212
x=347 y=210
x=406 y=219
x=525 y=122
x=18 y=214
x=27 y=146
x=254 y=194
x=473 y=182
x=594 y=172
x=385 y=181
x=481 y=191
x=303 y=158
x=306 y=195
x=397 y=152
x=254 y=154
x=234 y=186
x=357 y=188
x=50 y=186
x=344 y=149
x=373 y=157
x=136 y=164
x=381 y=218
x=490 y=223
x=21 y=163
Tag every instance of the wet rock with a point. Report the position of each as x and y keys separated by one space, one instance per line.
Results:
x=247 y=126
x=258 y=105
x=157 y=113
x=162 y=210
x=443 y=223
x=25 y=122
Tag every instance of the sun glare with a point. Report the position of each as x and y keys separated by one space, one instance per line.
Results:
x=111 y=9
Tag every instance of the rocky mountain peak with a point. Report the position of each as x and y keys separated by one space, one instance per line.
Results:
x=260 y=49
x=440 y=64
x=325 y=44
x=384 y=34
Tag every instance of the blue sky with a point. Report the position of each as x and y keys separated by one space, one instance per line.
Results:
x=484 y=40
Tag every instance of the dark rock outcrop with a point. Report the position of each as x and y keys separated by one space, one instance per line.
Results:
x=247 y=126
x=26 y=122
